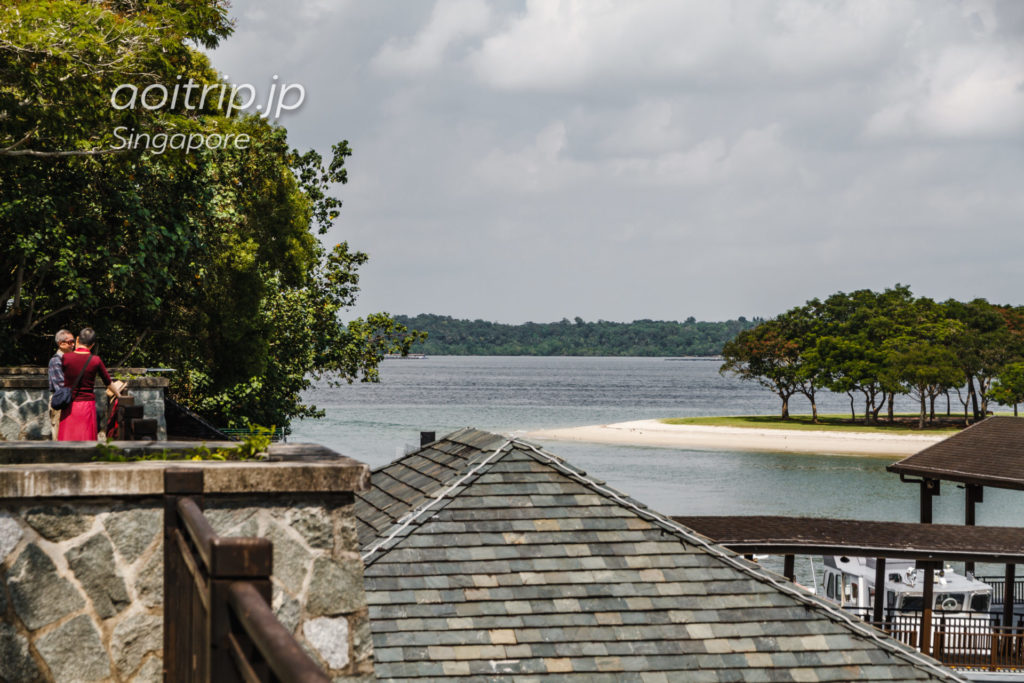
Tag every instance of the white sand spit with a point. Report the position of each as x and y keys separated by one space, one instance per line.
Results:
x=706 y=437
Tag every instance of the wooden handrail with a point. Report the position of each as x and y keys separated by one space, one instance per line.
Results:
x=199 y=529
x=222 y=628
x=278 y=647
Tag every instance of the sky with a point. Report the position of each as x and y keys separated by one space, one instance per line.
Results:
x=659 y=159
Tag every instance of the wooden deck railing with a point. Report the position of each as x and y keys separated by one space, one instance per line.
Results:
x=963 y=640
x=218 y=625
x=998 y=584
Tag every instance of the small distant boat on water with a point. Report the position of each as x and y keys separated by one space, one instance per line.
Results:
x=411 y=356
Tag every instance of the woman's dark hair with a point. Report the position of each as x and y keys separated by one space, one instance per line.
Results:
x=87 y=337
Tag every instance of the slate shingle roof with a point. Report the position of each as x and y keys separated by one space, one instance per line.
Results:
x=989 y=452
x=488 y=558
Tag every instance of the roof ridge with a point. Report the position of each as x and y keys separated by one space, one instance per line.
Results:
x=859 y=628
x=472 y=470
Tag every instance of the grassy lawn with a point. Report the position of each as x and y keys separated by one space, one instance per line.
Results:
x=905 y=424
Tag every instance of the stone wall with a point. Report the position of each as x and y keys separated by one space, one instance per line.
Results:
x=81 y=571
x=25 y=402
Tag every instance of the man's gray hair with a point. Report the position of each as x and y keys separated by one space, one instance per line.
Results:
x=87 y=337
x=62 y=335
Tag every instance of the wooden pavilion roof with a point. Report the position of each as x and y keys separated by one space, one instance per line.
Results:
x=894 y=540
x=989 y=453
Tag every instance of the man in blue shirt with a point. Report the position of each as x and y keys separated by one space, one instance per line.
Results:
x=55 y=373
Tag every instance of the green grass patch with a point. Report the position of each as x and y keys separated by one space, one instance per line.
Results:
x=905 y=424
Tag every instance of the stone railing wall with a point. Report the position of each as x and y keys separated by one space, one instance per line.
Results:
x=81 y=559
x=25 y=401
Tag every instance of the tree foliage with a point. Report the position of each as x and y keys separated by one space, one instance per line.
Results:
x=768 y=355
x=205 y=261
x=450 y=336
x=880 y=344
x=1008 y=387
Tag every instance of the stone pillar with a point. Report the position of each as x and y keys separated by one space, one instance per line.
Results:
x=81 y=558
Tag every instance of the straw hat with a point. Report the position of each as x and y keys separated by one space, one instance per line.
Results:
x=120 y=387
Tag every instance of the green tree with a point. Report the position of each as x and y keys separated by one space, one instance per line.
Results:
x=802 y=327
x=854 y=329
x=205 y=261
x=920 y=357
x=766 y=355
x=1008 y=387
x=983 y=347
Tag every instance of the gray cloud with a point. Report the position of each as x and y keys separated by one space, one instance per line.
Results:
x=625 y=160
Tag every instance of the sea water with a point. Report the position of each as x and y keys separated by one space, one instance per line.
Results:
x=376 y=423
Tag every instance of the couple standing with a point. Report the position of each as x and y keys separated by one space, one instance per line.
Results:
x=75 y=366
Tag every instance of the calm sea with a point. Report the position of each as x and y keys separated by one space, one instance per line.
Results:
x=376 y=422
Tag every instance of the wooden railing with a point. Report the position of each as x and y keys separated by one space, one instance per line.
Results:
x=218 y=625
x=964 y=640
x=998 y=584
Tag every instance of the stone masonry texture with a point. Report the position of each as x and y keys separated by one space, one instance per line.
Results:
x=81 y=583
x=25 y=411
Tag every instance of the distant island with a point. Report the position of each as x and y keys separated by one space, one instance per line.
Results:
x=447 y=336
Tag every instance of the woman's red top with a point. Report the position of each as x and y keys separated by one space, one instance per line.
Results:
x=73 y=364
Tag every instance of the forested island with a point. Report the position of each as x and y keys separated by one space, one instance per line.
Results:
x=451 y=336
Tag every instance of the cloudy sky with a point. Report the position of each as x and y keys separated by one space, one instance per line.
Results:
x=658 y=159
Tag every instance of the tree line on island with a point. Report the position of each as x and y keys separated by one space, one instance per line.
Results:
x=450 y=336
x=877 y=345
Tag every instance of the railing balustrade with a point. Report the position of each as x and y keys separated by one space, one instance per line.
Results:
x=218 y=625
x=966 y=640
x=998 y=584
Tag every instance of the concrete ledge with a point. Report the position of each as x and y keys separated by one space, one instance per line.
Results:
x=69 y=472
x=36 y=381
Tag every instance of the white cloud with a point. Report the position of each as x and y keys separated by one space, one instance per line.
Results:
x=716 y=158
x=541 y=166
x=449 y=22
x=570 y=44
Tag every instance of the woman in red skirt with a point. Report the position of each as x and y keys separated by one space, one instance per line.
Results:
x=78 y=422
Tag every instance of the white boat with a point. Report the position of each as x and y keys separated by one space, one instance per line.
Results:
x=961 y=623
x=850 y=582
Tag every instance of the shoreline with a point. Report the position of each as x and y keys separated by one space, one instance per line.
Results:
x=654 y=433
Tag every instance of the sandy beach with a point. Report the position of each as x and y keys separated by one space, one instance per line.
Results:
x=702 y=437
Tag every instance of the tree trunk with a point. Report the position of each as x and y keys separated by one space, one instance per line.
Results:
x=920 y=421
x=867 y=408
x=948 y=413
x=972 y=394
x=1015 y=410
x=785 y=406
x=878 y=408
x=892 y=415
x=814 y=411
x=853 y=413
x=931 y=413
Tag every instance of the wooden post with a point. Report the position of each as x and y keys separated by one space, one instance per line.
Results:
x=789 y=567
x=879 y=589
x=973 y=493
x=427 y=437
x=182 y=614
x=1008 y=596
x=926 y=614
x=929 y=488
